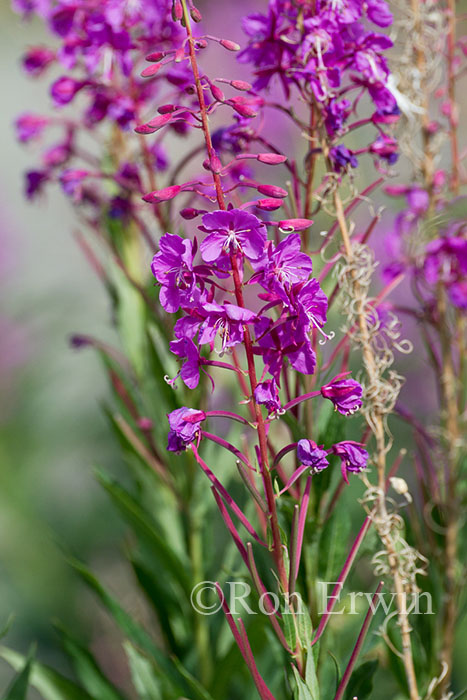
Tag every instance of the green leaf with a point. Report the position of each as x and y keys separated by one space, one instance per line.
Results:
x=50 y=684
x=144 y=680
x=192 y=681
x=333 y=545
x=136 y=634
x=87 y=669
x=19 y=687
x=302 y=691
x=163 y=600
x=361 y=681
x=146 y=529
x=310 y=675
x=290 y=631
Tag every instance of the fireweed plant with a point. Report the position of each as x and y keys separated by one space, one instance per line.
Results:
x=245 y=285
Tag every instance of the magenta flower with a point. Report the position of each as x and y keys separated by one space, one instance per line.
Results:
x=230 y=232
x=310 y=455
x=64 y=89
x=30 y=126
x=312 y=305
x=345 y=394
x=227 y=320
x=354 y=457
x=283 y=266
x=267 y=394
x=184 y=427
x=185 y=349
x=172 y=267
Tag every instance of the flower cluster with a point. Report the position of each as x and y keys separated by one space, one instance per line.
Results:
x=101 y=44
x=333 y=58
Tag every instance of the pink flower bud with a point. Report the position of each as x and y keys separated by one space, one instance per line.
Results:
x=177 y=10
x=217 y=93
x=179 y=54
x=153 y=125
x=243 y=109
x=145 y=423
x=269 y=204
x=215 y=164
x=162 y=195
x=439 y=179
x=195 y=15
x=271 y=158
x=166 y=109
x=151 y=70
x=290 y=225
x=229 y=45
x=190 y=213
x=241 y=85
x=272 y=191
x=156 y=56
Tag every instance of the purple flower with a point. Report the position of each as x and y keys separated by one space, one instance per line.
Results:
x=30 y=126
x=34 y=183
x=227 y=320
x=283 y=266
x=36 y=60
x=345 y=394
x=342 y=158
x=72 y=183
x=185 y=349
x=378 y=12
x=267 y=394
x=286 y=341
x=312 y=304
x=312 y=456
x=230 y=232
x=184 y=427
x=446 y=261
x=353 y=456
x=64 y=89
x=172 y=266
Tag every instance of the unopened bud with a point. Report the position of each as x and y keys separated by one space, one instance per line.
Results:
x=289 y=225
x=153 y=125
x=217 y=93
x=272 y=191
x=271 y=158
x=190 y=213
x=177 y=10
x=162 y=195
x=269 y=204
x=195 y=14
x=149 y=71
x=241 y=85
x=229 y=45
x=156 y=56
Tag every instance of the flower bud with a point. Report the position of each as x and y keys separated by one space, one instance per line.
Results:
x=271 y=158
x=229 y=45
x=241 y=85
x=272 y=191
x=195 y=15
x=162 y=195
x=269 y=204
x=289 y=225
x=217 y=93
x=149 y=71
x=177 y=10
x=153 y=125
x=190 y=213
x=156 y=56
